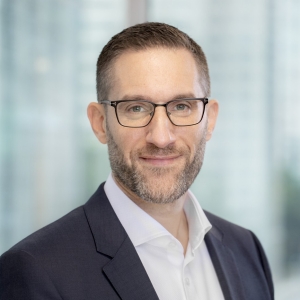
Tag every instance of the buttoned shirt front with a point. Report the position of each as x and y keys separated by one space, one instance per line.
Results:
x=173 y=275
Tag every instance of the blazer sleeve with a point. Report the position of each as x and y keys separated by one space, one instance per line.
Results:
x=265 y=264
x=22 y=277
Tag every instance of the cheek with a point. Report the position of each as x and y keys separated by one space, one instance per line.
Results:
x=124 y=137
x=192 y=138
x=130 y=140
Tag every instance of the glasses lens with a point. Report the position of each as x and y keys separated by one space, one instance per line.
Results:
x=185 y=112
x=134 y=113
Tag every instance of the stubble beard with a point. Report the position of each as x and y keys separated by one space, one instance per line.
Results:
x=153 y=184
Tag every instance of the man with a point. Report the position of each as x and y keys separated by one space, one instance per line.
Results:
x=143 y=235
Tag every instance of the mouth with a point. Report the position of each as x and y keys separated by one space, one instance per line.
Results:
x=160 y=160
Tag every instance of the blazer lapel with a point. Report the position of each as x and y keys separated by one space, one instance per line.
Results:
x=125 y=270
x=225 y=266
x=128 y=276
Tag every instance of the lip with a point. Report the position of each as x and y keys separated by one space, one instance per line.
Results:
x=160 y=160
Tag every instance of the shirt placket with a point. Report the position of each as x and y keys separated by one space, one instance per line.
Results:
x=186 y=275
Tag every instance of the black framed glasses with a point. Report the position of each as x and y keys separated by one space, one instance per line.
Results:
x=139 y=113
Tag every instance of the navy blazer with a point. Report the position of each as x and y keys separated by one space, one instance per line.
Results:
x=87 y=255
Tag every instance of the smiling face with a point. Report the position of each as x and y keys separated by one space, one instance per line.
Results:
x=159 y=162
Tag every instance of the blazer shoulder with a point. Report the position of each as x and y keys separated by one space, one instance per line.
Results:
x=57 y=233
x=241 y=241
x=222 y=222
x=225 y=228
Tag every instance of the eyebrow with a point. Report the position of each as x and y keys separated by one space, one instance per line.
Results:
x=143 y=97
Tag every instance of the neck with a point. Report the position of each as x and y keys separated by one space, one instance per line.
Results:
x=169 y=215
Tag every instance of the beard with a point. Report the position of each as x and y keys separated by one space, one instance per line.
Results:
x=151 y=183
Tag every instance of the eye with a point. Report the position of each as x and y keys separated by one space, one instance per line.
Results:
x=181 y=106
x=136 y=108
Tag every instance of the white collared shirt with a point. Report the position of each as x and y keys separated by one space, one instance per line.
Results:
x=173 y=275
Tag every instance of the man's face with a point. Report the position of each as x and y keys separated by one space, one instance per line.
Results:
x=159 y=162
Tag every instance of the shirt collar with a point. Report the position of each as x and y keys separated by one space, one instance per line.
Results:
x=198 y=222
x=148 y=228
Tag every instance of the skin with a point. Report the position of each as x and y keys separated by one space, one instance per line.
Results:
x=158 y=75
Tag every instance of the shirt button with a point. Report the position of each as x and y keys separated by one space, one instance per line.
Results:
x=187 y=281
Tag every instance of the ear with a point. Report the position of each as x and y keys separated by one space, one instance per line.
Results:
x=97 y=117
x=212 y=110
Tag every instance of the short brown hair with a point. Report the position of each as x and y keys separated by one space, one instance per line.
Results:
x=142 y=37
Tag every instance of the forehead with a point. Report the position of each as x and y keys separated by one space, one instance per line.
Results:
x=156 y=73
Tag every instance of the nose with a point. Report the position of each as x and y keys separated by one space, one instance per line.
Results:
x=160 y=130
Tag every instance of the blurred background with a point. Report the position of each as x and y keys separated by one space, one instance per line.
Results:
x=50 y=161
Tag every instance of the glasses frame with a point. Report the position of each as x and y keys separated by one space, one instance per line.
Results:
x=115 y=104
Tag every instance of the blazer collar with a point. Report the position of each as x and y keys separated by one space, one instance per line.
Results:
x=125 y=270
x=224 y=263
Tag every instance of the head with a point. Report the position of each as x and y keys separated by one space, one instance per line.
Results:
x=142 y=37
x=159 y=63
